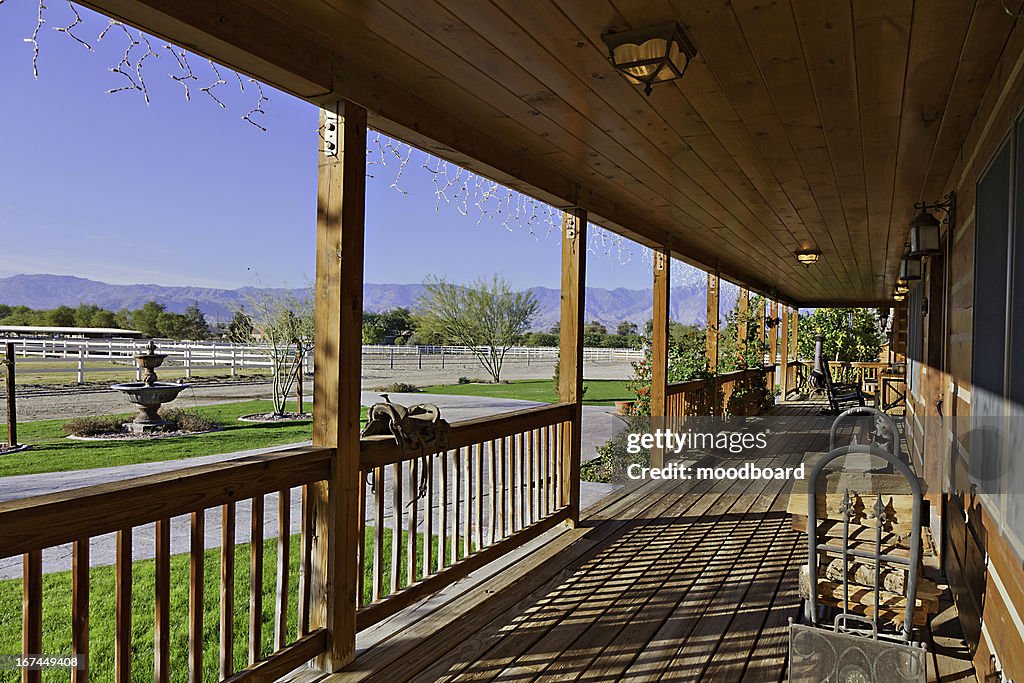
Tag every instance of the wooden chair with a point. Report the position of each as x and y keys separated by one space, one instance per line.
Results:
x=841 y=396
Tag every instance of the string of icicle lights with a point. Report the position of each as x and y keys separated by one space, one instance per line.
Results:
x=470 y=194
x=136 y=50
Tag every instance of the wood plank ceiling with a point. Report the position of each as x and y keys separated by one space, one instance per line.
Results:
x=801 y=124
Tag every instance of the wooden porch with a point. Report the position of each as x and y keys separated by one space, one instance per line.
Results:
x=663 y=580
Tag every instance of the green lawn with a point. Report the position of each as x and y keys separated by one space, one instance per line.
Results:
x=52 y=452
x=57 y=610
x=600 y=392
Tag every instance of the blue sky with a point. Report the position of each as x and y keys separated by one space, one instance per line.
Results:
x=188 y=193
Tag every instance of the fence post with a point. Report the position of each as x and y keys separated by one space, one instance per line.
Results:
x=188 y=362
x=81 y=366
x=12 y=408
x=392 y=357
x=442 y=358
x=419 y=357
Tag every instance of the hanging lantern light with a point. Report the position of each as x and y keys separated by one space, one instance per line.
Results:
x=924 y=229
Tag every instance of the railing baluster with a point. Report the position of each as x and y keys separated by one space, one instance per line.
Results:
x=521 y=482
x=123 y=607
x=197 y=555
x=227 y=590
x=378 y=533
x=542 y=455
x=550 y=448
x=456 y=497
x=80 y=610
x=162 y=616
x=284 y=524
x=537 y=477
x=411 y=522
x=256 y=581
x=396 y=527
x=428 y=517
x=508 y=482
x=306 y=562
x=361 y=543
x=467 y=503
x=442 y=542
x=493 y=482
x=478 y=452
x=32 y=611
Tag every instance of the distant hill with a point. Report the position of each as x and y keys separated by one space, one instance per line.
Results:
x=609 y=306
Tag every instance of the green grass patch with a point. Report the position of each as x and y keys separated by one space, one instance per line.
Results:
x=57 y=609
x=52 y=452
x=600 y=392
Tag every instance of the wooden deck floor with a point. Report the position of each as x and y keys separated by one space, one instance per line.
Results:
x=672 y=581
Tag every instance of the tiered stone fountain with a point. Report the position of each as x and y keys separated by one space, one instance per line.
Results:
x=149 y=394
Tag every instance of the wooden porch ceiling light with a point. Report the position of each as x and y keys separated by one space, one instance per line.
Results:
x=646 y=56
x=807 y=257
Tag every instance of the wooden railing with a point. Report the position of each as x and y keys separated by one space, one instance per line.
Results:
x=430 y=520
x=711 y=396
x=32 y=525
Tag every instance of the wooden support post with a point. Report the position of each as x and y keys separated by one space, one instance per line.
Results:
x=784 y=353
x=773 y=335
x=741 y=327
x=341 y=203
x=711 y=331
x=570 y=351
x=659 y=345
x=762 y=332
x=12 y=403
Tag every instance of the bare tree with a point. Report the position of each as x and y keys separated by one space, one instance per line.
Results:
x=281 y=326
x=488 y=317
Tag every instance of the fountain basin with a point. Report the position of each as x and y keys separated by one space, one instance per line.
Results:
x=149 y=397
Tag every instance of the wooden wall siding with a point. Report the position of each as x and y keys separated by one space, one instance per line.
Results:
x=800 y=123
x=986 y=572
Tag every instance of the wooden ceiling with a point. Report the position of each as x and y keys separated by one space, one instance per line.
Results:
x=801 y=124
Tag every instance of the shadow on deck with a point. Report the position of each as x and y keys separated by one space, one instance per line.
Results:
x=668 y=580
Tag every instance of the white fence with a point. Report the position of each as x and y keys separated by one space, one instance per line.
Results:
x=80 y=356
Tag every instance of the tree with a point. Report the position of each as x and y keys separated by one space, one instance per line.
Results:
x=195 y=323
x=240 y=328
x=627 y=328
x=488 y=317
x=282 y=329
x=594 y=334
x=396 y=323
x=850 y=334
x=147 y=318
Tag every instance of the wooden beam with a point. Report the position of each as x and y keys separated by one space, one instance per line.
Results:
x=570 y=351
x=659 y=343
x=784 y=352
x=711 y=330
x=762 y=331
x=340 y=231
x=741 y=326
x=773 y=334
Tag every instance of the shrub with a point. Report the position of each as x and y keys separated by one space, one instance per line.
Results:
x=94 y=426
x=465 y=380
x=399 y=388
x=187 y=420
x=613 y=457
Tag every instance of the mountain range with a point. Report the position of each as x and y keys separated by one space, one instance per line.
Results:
x=608 y=306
